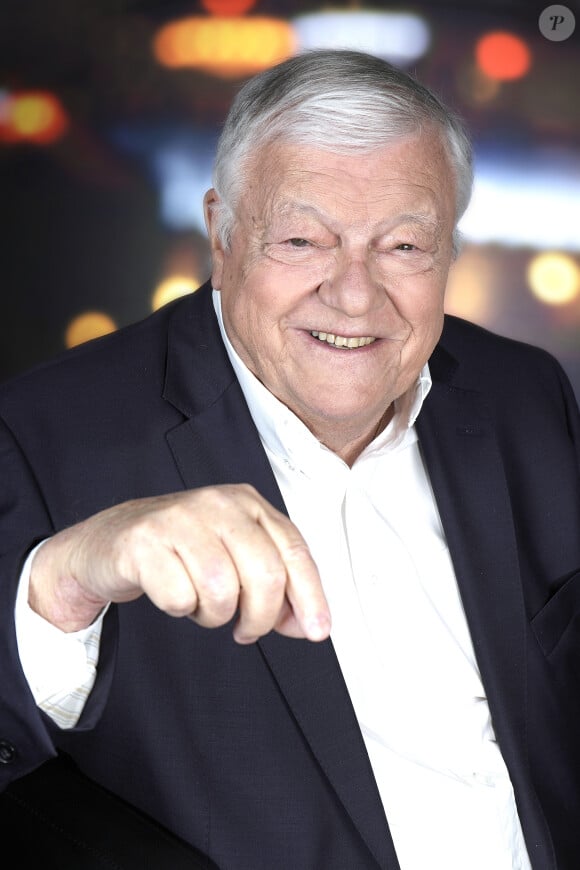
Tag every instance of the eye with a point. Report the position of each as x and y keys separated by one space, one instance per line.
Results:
x=299 y=243
x=406 y=246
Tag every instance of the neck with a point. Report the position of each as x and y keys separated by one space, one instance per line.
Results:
x=350 y=444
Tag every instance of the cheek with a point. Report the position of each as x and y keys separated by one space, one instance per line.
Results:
x=272 y=296
x=421 y=302
x=430 y=323
x=251 y=320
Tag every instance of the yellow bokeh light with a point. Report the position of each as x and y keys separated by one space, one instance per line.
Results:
x=32 y=114
x=470 y=288
x=554 y=278
x=90 y=324
x=475 y=86
x=226 y=47
x=173 y=288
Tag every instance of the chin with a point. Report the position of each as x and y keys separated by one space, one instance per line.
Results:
x=343 y=414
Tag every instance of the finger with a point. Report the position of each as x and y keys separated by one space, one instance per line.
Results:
x=165 y=580
x=181 y=564
x=214 y=576
x=262 y=579
x=287 y=624
x=303 y=589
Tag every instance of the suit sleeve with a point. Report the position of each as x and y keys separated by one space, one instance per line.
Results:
x=27 y=736
x=25 y=742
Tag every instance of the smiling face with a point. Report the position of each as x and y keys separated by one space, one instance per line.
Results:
x=332 y=288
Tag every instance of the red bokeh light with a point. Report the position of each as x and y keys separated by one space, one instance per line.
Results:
x=228 y=7
x=503 y=56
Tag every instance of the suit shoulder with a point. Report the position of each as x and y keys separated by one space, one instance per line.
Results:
x=119 y=362
x=517 y=378
x=502 y=367
x=524 y=386
x=479 y=349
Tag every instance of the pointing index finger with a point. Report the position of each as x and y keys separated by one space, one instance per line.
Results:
x=305 y=594
x=304 y=591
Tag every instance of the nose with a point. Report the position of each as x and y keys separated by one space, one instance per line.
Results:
x=351 y=287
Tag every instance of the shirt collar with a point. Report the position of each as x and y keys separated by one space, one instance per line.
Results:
x=286 y=435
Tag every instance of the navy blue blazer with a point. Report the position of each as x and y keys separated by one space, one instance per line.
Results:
x=253 y=754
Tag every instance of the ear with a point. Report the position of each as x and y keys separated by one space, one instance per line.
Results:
x=210 y=205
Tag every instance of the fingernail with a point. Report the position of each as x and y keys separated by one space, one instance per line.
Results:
x=244 y=639
x=318 y=628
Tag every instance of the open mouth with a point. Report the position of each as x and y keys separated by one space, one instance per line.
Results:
x=342 y=340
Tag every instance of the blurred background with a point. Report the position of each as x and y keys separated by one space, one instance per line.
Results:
x=109 y=114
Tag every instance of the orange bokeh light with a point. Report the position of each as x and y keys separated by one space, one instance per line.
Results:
x=32 y=116
x=503 y=56
x=173 y=287
x=89 y=325
x=225 y=47
x=228 y=7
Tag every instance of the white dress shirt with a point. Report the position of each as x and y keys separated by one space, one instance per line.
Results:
x=399 y=631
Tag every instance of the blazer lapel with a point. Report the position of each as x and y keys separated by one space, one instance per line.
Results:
x=310 y=678
x=218 y=443
x=466 y=470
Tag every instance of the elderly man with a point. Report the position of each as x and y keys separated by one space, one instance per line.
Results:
x=295 y=566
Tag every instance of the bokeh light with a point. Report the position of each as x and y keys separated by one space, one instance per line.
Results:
x=470 y=287
x=4 y=106
x=228 y=7
x=173 y=287
x=224 y=47
x=525 y=197
x=554 y=278
x=504 y=56
x=475 y=86
x=401 y=37
x=90 y=324
x=32 y=116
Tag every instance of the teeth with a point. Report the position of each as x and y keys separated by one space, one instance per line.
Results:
x=342 y=340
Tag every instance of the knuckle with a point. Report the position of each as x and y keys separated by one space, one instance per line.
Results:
x=131 y=551
x=273 y=577
x=178 y=602
x=215 y=495
x=213 y=500
x=248 y=491
x=218 y=593
x=140 y=533
x=296 y=550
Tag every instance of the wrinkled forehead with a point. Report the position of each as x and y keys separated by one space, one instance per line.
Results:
x=412 y=174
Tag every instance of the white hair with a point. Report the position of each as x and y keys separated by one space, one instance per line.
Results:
x=338 y=100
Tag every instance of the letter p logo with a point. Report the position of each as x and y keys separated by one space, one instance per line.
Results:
x=557 y=23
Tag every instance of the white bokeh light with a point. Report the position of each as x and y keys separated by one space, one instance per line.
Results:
x=399 y=37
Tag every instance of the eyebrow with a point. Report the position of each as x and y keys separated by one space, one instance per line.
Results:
x=293 y=205
x=422 y=219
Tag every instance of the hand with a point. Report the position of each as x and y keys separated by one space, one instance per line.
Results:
x=203 y=553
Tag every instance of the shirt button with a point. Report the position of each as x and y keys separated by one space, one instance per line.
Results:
x=7 y=752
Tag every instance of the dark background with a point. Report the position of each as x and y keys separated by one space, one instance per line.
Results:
x=85 y=222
